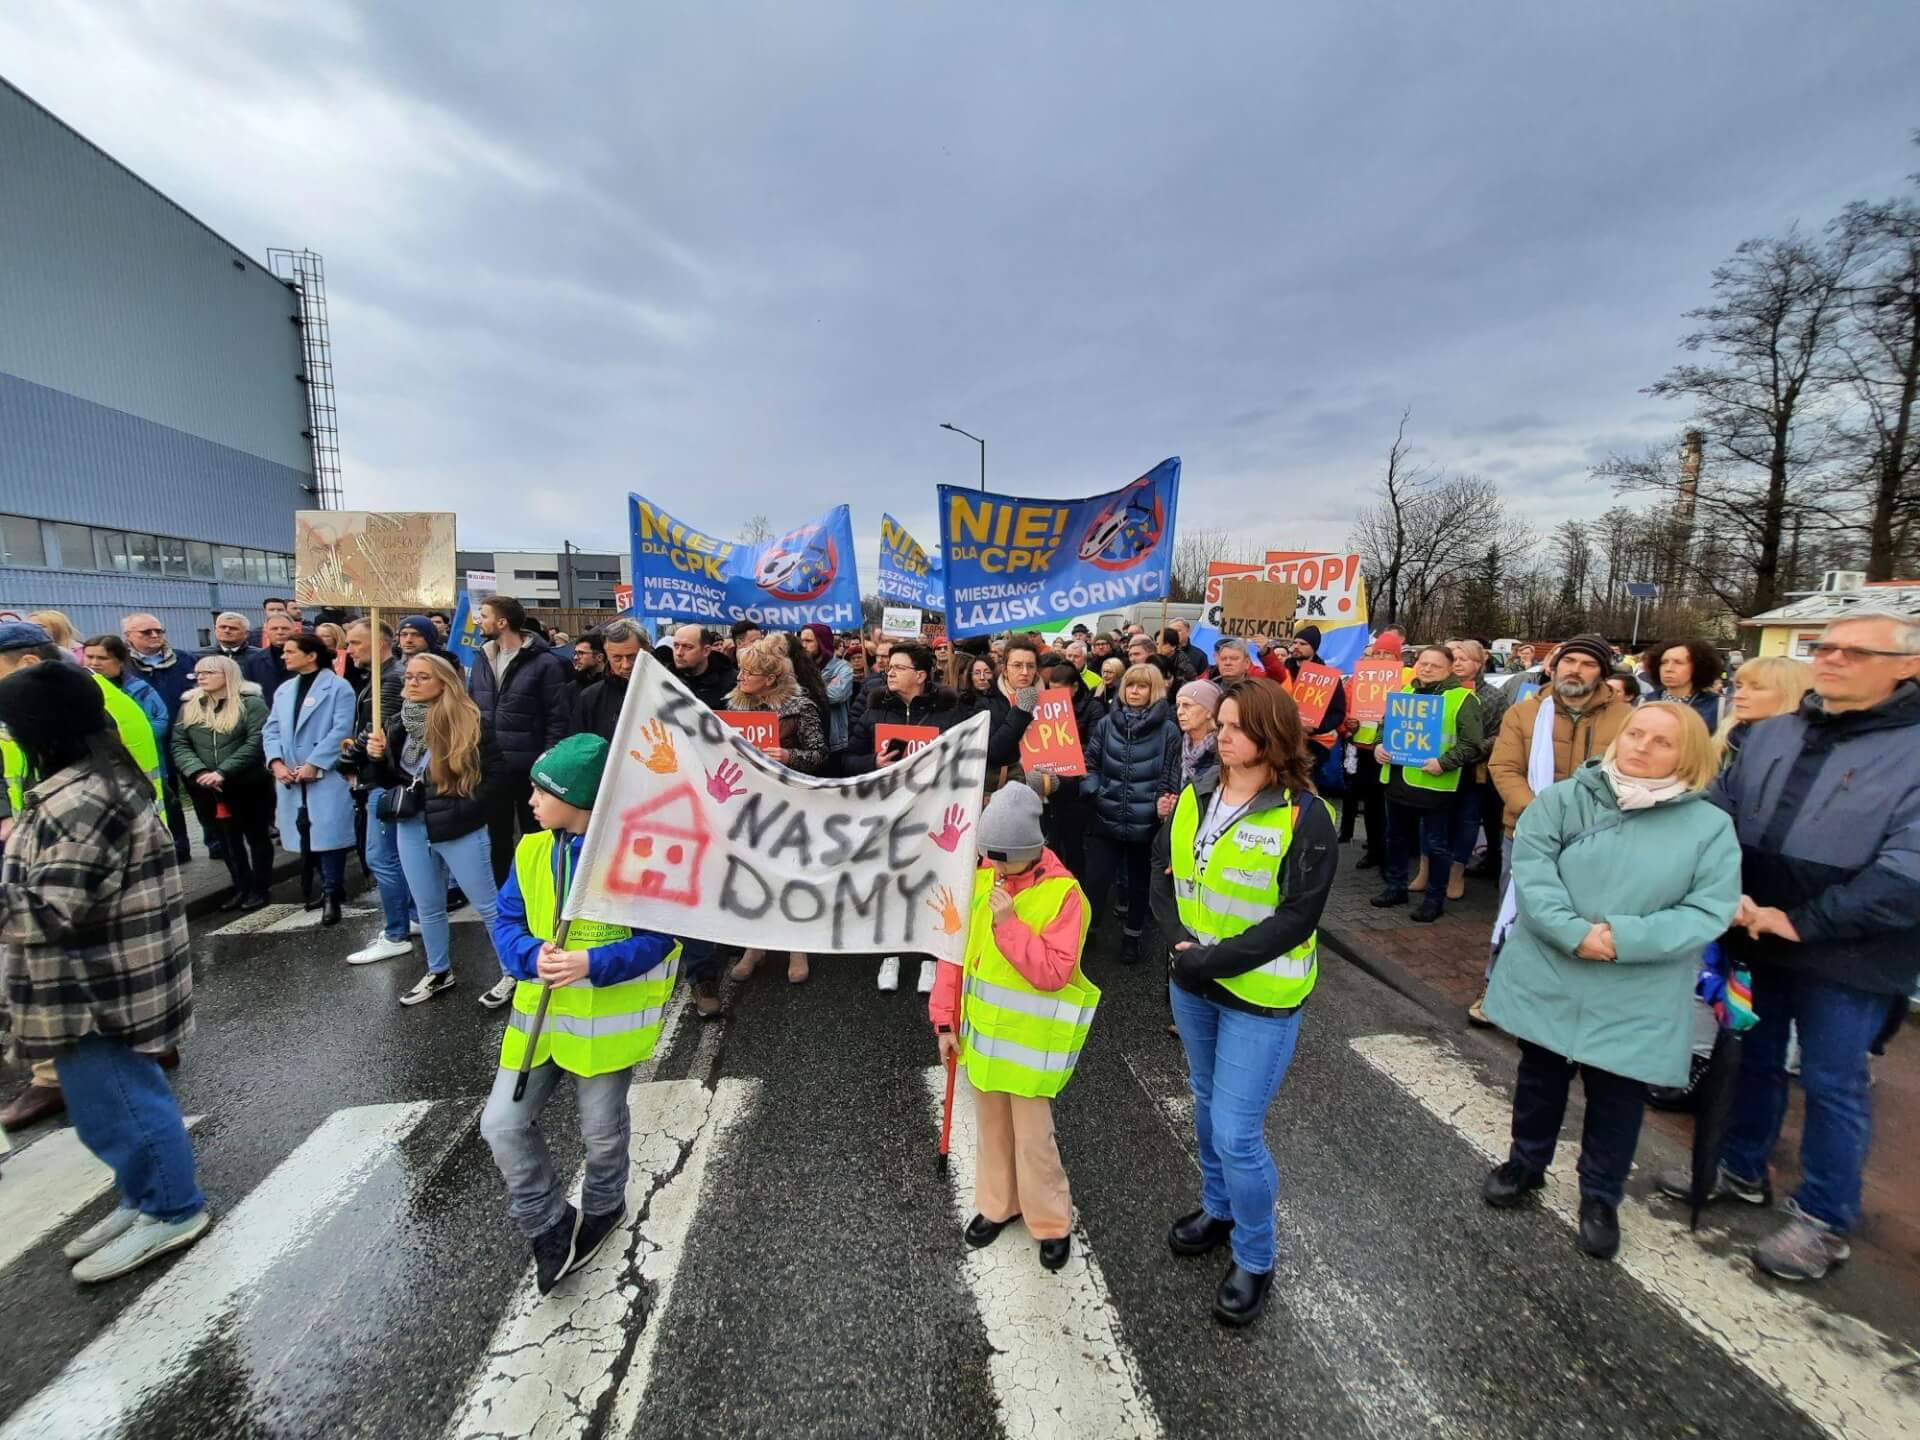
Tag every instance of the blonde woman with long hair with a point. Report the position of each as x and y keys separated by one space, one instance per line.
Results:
x=1764 y=687
x=218 y=745
x=440 y=766
x=64 y=632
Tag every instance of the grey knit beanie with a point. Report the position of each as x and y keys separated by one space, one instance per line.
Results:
x=1010 y=826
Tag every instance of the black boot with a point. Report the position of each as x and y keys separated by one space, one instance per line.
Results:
x=1599 y=1229
x=1367 y=861
x=1241 y=1297
x=234 y=901
x=1198 y=1233
x=1507 y=1184
x=1129 y=948
x=330 y=909
x=1387 y=899
x=982 y=1231
x=1430 y=910
x=1053 y=1253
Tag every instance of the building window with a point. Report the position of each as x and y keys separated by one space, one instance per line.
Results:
x=75 y=544
x=233 y=566
x=109 y=550
x=20 y=541
x=143 y=555
x=199 y=559
x=173 y=556
x=256 y=567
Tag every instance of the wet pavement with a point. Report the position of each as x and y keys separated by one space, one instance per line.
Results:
x=791 y=1263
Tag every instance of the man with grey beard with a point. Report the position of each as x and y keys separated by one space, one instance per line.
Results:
x=1584 y=716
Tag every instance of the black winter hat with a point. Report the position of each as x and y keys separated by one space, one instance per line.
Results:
x=1594 y=647
x=1310 y=634
x=51 y=701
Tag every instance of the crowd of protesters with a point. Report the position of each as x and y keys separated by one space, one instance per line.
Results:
x=1639 y=818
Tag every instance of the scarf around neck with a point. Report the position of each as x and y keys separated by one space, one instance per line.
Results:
x=1191 y=754
x=413 y=754
x=1634 y=793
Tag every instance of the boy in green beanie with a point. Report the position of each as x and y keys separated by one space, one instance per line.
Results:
x=609 y=995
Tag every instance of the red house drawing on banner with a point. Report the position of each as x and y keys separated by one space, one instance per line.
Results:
x=662 y=846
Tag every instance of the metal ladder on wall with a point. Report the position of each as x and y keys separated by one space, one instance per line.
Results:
x=305 y=273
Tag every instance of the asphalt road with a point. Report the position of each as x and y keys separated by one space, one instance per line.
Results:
x=792 y=1264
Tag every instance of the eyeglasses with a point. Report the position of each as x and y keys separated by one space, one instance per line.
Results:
x=150 y=630
x=1854 y=654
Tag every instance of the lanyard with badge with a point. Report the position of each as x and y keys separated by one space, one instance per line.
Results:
x=1214 y=826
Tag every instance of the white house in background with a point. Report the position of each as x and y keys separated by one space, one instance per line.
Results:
x=1791 y=628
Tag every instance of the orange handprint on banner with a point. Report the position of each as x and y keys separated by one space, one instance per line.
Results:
x=661 y=758
x=943 y=905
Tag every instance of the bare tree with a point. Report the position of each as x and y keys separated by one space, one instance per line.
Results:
x=1880 y=362
x=1383 y=535
x=1765 y=395
x=757 y=530
x=1193 y=552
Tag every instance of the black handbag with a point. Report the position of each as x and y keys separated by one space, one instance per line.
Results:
x=404 y=802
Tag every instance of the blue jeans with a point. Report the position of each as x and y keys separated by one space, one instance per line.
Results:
x=1410 y=826
x=1235 y=1063
x=383 y=859
x=124 y=1112
x=697 y=960
x=1464 y=828
x=1836 y=1025
x=534 y=1196
x=469 y=859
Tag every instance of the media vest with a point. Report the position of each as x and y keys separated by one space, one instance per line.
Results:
x=1239 y=888
x=590 y=1029
x=1448 y=780
x=1014 y=1039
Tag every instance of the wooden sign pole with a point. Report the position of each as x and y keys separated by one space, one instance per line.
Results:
x=373 y=647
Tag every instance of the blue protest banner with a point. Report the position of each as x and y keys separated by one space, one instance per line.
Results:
x=805 y=575
x=1411 y=731
x=1014 y=563
x=908 y=575
x=464 y=640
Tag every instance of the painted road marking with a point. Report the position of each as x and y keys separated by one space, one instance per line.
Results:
x=553 y=1358
x=1385 y=1384
x=148 y=1347
x=1843 y=1374
x=283 y=919
x=1058 y=1363
x=48 y=1183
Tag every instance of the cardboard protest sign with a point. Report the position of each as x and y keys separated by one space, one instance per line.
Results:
x=1313 y=691
x=1411 y=730
x=1373 y=681
x=1020 y=564
x=918 y=737
x=395 y=560
x=761 y=727
x=805 y=575
x=696 y=833
x=1332 y=596
x=908 y=575
x=1053 y=736
x=1257 y=607
x=900 y=622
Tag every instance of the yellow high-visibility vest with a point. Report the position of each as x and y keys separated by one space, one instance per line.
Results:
x=1014 y=1039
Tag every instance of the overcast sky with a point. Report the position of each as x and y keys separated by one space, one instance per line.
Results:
x=744 y=258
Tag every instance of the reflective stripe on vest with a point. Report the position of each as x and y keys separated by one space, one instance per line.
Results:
x=1238 y=890
x=590 y=1029
x=1015 y=1039
x=1447 y=780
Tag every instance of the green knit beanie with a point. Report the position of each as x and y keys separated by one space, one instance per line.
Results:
x=571 y=770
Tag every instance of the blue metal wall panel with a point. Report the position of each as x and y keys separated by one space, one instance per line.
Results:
x=96 y=603
x=63 y=458
x=110 y=291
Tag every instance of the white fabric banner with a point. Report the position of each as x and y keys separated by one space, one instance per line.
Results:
x=695 y=833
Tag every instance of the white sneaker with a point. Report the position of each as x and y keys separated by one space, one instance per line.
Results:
x=413 y=928
x=499 y=993
x=380 y=948
x=927 y=972
x=145 y=1239
x=428 y=986
x=890 y=973
x=96 y=1236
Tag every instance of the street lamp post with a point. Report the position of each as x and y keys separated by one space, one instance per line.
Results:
x=944 y=425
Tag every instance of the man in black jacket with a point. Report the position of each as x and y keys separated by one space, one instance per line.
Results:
x=708 y=673
x=230 y=639
x=597 y=710
x=523 y=689
x=911 y=698
x=267 y=666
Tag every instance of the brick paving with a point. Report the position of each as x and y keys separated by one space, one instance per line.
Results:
x=1441 y=965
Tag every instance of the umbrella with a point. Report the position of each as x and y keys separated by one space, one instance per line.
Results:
x=1729 y=990
x=946 y=1115
x=304 y=824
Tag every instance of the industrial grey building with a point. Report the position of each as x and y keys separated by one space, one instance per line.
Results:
x=567 y=579
x=156 y=431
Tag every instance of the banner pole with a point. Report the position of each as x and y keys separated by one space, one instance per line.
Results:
x=1163 y=619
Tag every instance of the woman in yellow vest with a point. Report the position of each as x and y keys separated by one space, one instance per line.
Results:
x=1242 y=871
x=1016 y=1014
x=1422 y=789
x=609 y=996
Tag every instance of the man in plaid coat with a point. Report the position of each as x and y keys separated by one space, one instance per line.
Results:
x=98 y=971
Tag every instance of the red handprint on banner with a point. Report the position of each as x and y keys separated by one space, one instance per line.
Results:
x=948 y=836
x=720 y=781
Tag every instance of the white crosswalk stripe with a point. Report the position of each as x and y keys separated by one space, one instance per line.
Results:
x=145 y=1348
x=48 y=1183
x=1832 y=1367
x=1059 y=1365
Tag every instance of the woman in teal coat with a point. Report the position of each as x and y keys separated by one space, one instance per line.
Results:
x=1624 y=874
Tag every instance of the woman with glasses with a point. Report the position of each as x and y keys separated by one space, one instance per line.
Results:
x=219 y=752
x=312 y=713
x=439 y=765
